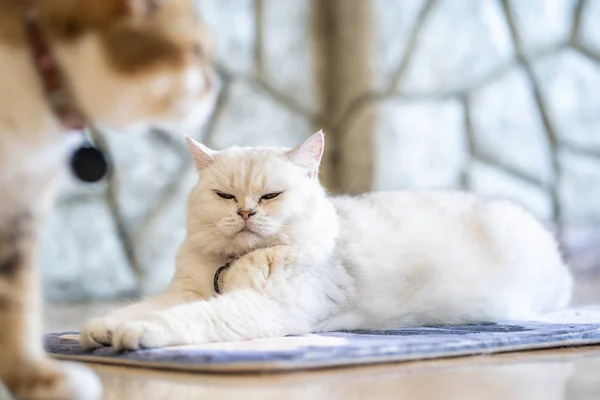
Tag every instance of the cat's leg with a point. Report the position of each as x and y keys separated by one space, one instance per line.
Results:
x=267 y=293
x=24 y=366
x=238 y=315
x=98 y=332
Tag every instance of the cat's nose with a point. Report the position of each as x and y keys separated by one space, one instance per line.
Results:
x=246 y=214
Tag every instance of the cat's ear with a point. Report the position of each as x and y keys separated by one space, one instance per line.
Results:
x=309 y=154
x=202 y=155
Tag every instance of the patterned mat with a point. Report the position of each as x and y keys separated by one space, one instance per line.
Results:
x=574 y=327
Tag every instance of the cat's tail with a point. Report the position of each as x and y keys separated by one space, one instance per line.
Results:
x=544 y=279
x=560 y=292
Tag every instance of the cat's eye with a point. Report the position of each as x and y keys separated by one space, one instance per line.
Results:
x=270 y=196
x=225 y=195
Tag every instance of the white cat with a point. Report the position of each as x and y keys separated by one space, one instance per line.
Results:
x=302 y=261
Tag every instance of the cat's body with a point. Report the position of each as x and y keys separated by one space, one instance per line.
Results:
x=422 y=258
x=125 y=62
x=306 y=262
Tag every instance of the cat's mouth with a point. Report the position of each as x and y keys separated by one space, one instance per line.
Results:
x=246 y=230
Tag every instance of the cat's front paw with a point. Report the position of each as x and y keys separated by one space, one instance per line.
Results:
x=98 y=332
x=258 y=267
x=141 y=334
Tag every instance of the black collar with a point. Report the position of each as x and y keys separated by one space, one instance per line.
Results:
x=216 y=283
x=58 y=94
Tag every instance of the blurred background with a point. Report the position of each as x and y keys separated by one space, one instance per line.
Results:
x=499 y=97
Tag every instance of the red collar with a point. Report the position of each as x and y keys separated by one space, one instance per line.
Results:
x=58 y=94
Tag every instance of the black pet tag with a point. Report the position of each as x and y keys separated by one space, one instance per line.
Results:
x=88 y=163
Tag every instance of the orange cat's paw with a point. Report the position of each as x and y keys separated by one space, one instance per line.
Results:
x=49 y=380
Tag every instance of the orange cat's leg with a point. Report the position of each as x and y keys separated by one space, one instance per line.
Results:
x=24 y=367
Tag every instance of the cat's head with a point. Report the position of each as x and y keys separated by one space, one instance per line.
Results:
x=134 y=60
x=247 y=198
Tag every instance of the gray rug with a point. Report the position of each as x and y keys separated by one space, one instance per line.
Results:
x=574 y=327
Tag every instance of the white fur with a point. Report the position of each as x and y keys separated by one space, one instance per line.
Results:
x=31 y=146
x=313 y=262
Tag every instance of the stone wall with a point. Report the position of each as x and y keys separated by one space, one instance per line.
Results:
x=501 y=97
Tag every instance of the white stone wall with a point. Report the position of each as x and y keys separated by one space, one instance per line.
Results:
x=501 y=97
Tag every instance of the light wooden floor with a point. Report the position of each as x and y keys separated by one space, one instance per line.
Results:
x=545 y=375
x=549 y=375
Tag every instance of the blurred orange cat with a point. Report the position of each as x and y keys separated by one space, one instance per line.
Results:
x=115 y=63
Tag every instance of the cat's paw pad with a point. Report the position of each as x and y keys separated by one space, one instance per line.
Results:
x=97 y=333
x=142 y=334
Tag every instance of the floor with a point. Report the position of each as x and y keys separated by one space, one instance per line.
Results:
x=572 y=374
